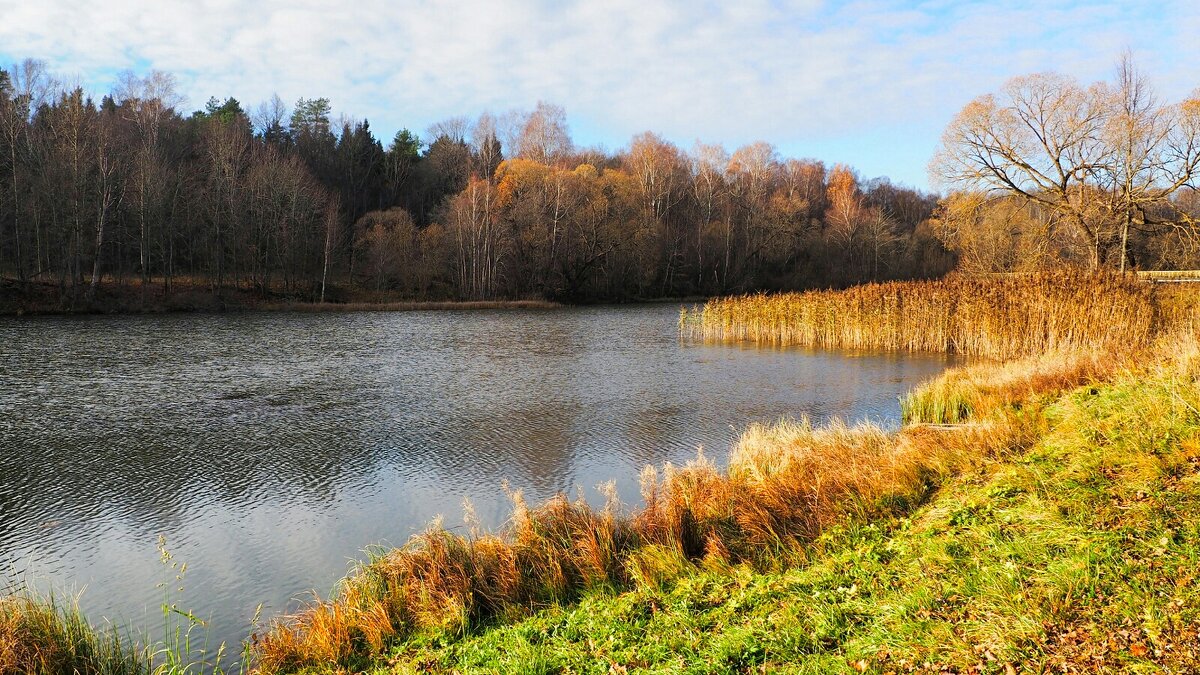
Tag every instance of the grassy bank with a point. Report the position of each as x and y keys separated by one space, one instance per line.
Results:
x=1038 y=514
x=784 y=486
x=42 y=634
x=1073 y=551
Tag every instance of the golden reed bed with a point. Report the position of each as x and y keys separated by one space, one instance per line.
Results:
x=992 y=317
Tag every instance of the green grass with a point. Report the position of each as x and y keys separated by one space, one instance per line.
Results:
x=1078 y=554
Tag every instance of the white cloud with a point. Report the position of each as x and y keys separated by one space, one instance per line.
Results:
x=795 y=72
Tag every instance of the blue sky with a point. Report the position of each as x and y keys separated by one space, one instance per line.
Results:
x=869 y=83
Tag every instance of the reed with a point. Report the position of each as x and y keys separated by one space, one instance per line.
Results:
x=995 y=317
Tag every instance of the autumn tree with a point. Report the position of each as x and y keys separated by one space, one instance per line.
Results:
x=995 y=234
x=300 y=203
x=1038 y=139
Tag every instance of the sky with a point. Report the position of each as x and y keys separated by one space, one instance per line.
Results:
x=871 y=84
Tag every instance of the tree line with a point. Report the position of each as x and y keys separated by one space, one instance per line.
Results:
x=129 y=191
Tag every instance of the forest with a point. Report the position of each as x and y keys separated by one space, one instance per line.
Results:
x=131 y=193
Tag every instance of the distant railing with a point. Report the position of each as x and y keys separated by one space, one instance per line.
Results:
x=1171 y=276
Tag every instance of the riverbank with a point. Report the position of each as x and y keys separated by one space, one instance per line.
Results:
x=1073 y=549
x=1029 y=535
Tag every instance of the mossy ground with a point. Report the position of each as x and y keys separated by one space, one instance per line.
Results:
x=1079 y=553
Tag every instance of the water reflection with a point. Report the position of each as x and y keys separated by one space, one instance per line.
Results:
x=270 y=448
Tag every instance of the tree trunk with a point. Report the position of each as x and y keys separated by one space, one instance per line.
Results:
x=98 y=256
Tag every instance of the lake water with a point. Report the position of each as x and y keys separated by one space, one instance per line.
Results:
x=270 y=448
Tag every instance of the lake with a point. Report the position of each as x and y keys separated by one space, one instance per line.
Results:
x=270 y=448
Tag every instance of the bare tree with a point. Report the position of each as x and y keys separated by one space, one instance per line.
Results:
x=544 y=137
x=473 y=222
x=1039 y=139
x=29 y=86
x=109 y=193
x=268 y=118
x=148 y=102
x=752 y=171
x=709 y=189
x=485 y=144
x=453 y=128
x=1104 y=159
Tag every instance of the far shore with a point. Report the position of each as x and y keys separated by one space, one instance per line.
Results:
x=39 y=298
x=42 y=298
x=406 y=306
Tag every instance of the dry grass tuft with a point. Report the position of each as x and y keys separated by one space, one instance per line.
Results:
x=42 y=636
x=970 y=393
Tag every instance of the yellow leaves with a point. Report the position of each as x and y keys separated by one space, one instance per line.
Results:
x=586 y=172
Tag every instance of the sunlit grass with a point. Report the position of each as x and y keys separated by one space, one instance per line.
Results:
x=49 y=634
x=46 y=633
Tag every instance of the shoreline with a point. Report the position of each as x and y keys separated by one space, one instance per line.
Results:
x=39 y=298
x=43 y=299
